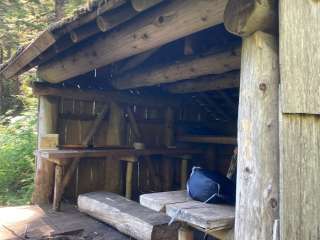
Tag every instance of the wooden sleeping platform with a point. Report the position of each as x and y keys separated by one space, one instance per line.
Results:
x=33 y=222
x=214 y=219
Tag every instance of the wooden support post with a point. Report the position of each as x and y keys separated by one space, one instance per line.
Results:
x=169 y=140
x=185 y=233
x=129 y=175
x=184 y=171
x=258 y=139
x=115 y=136
x=57 y=187
x=47 y=119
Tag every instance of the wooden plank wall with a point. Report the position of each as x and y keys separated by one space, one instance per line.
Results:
x=148 y=173
x=300 y=120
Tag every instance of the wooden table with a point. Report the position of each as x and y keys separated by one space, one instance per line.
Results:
x=63 y=157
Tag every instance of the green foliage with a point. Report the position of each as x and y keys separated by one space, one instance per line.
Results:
x=20 y=22
x=17 y=143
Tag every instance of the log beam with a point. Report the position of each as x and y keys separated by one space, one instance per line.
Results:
x=244 y=17
x=141 y=5
x=186 y=69
x=160 y=25
x=206 y=83
x=40 y=89
x=258 y=139
x=115 y=17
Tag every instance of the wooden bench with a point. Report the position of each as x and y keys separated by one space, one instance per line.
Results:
x=127 y=216
x=214 y=219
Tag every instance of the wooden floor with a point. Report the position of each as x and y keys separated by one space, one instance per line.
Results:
x=34 y=223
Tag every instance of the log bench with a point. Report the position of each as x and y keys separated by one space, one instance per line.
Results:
x=213 y=219
x=127 y=216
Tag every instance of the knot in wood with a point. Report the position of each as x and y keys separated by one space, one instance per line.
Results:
x=263 y=87
x=273 y=203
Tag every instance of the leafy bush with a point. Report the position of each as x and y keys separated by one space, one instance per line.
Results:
x=17 y=143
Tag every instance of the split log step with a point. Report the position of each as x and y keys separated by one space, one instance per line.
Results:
x=128 y=216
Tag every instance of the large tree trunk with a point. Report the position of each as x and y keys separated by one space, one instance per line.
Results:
x=258 y=139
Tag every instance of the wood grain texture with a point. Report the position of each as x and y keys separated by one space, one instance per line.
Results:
x=158 y=26
x=245 y=17
x=128 y=216
x=206 y=83
x=115 y=136
x=44 y=176
x=185 y=69
x=203 y=215
x=300 y=56
x=299 y=176
x=159 y=201
x=258 y=139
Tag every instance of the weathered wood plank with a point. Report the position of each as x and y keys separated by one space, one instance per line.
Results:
x=159 y=201
x=158 y=26
x=185 y=69
x=258 y=139
x=128 y=216
x=117 y=153
x=203 y=215
x=207 y=139
x=300 y=56
x=34 y=49
x=299 y=176
x=206 y=83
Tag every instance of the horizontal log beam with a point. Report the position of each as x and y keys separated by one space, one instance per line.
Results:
x=208 y=139
x=244 y=17
x=92 y=95
x=186 y=69
x=206 y=83
x=115 y=17
x=141 y=5
x=160 y=25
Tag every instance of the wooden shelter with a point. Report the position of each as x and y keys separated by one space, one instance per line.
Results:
x=189 y=81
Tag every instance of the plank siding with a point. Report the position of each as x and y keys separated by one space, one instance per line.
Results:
x=299 y=176
x=300 y=56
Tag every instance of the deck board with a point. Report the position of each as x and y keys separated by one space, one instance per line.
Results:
x=38 y=221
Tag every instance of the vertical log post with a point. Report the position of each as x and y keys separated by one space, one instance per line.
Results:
x=44 y=176
x=115 y=136
x=168 y=141
x=57 y=187
x=185 y=233
x=258 y=139
x=184 y=171
x=129 y=175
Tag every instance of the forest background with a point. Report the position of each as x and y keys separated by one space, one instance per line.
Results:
x=20 y=22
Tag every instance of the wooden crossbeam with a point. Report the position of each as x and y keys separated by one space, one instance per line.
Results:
x=206 y=83
x=41 y=89
x=185 y=69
